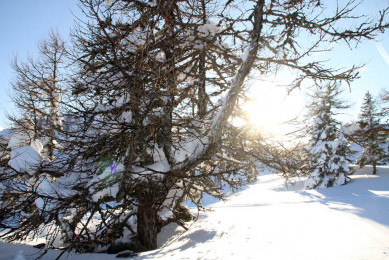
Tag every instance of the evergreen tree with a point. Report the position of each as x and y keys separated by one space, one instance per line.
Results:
x=370 y=137
x=328 y=152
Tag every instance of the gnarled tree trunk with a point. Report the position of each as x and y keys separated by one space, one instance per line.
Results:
x=147 y=226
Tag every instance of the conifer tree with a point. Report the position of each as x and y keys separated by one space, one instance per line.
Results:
x=32 y=151
x=37 y=95
x=328 y=152
x=370 y=137
x=384 y=97
x=150 y=81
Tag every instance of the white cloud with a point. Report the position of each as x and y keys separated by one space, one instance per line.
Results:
x=382 y=51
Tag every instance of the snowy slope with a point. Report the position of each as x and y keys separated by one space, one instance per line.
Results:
x=271 y=221
x=6 y=133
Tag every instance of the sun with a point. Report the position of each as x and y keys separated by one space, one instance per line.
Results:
x=270 y=108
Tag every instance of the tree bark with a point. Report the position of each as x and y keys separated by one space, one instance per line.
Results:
x=147 y=227
x=202 y=94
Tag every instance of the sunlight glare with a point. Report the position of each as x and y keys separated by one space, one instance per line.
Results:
x=270 y=108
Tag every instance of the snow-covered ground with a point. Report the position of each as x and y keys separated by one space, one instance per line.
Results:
x=269 y=220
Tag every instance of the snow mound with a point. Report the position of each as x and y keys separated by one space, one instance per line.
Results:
x=25 y=159
x=18 y=139
x=6 y=133
x=274 y=220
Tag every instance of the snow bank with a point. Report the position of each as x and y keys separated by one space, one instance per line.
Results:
x=18 y=139
x=25 y=159
x=6 y=133
x=108 y=191
x=271 y=220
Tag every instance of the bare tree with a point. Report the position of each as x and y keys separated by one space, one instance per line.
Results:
x=37 y=91
x=37 y=94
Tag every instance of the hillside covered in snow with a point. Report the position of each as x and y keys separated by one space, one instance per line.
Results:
x=272 y=220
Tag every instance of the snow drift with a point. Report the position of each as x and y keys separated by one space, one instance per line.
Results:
x=274 y=220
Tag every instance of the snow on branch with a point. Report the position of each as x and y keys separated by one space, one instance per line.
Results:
x=203 y=146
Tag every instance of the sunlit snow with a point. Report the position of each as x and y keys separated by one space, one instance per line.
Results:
x=272 y=220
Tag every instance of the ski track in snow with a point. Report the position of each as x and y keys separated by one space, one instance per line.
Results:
x=269 y=220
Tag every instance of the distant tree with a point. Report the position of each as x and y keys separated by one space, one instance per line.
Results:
x=26 y=171
x=4 y=152
x=370 y=137
x=385 y=113
x=37 y=95
x=385 y=101
x=329 y=153
x=155 y=86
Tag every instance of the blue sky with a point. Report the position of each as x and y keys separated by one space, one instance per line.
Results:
x=24 y=22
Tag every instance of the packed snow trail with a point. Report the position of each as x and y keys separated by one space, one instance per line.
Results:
x=269 y=221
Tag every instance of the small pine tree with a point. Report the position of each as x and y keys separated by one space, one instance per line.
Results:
x=369 y=137
x=328 y=150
